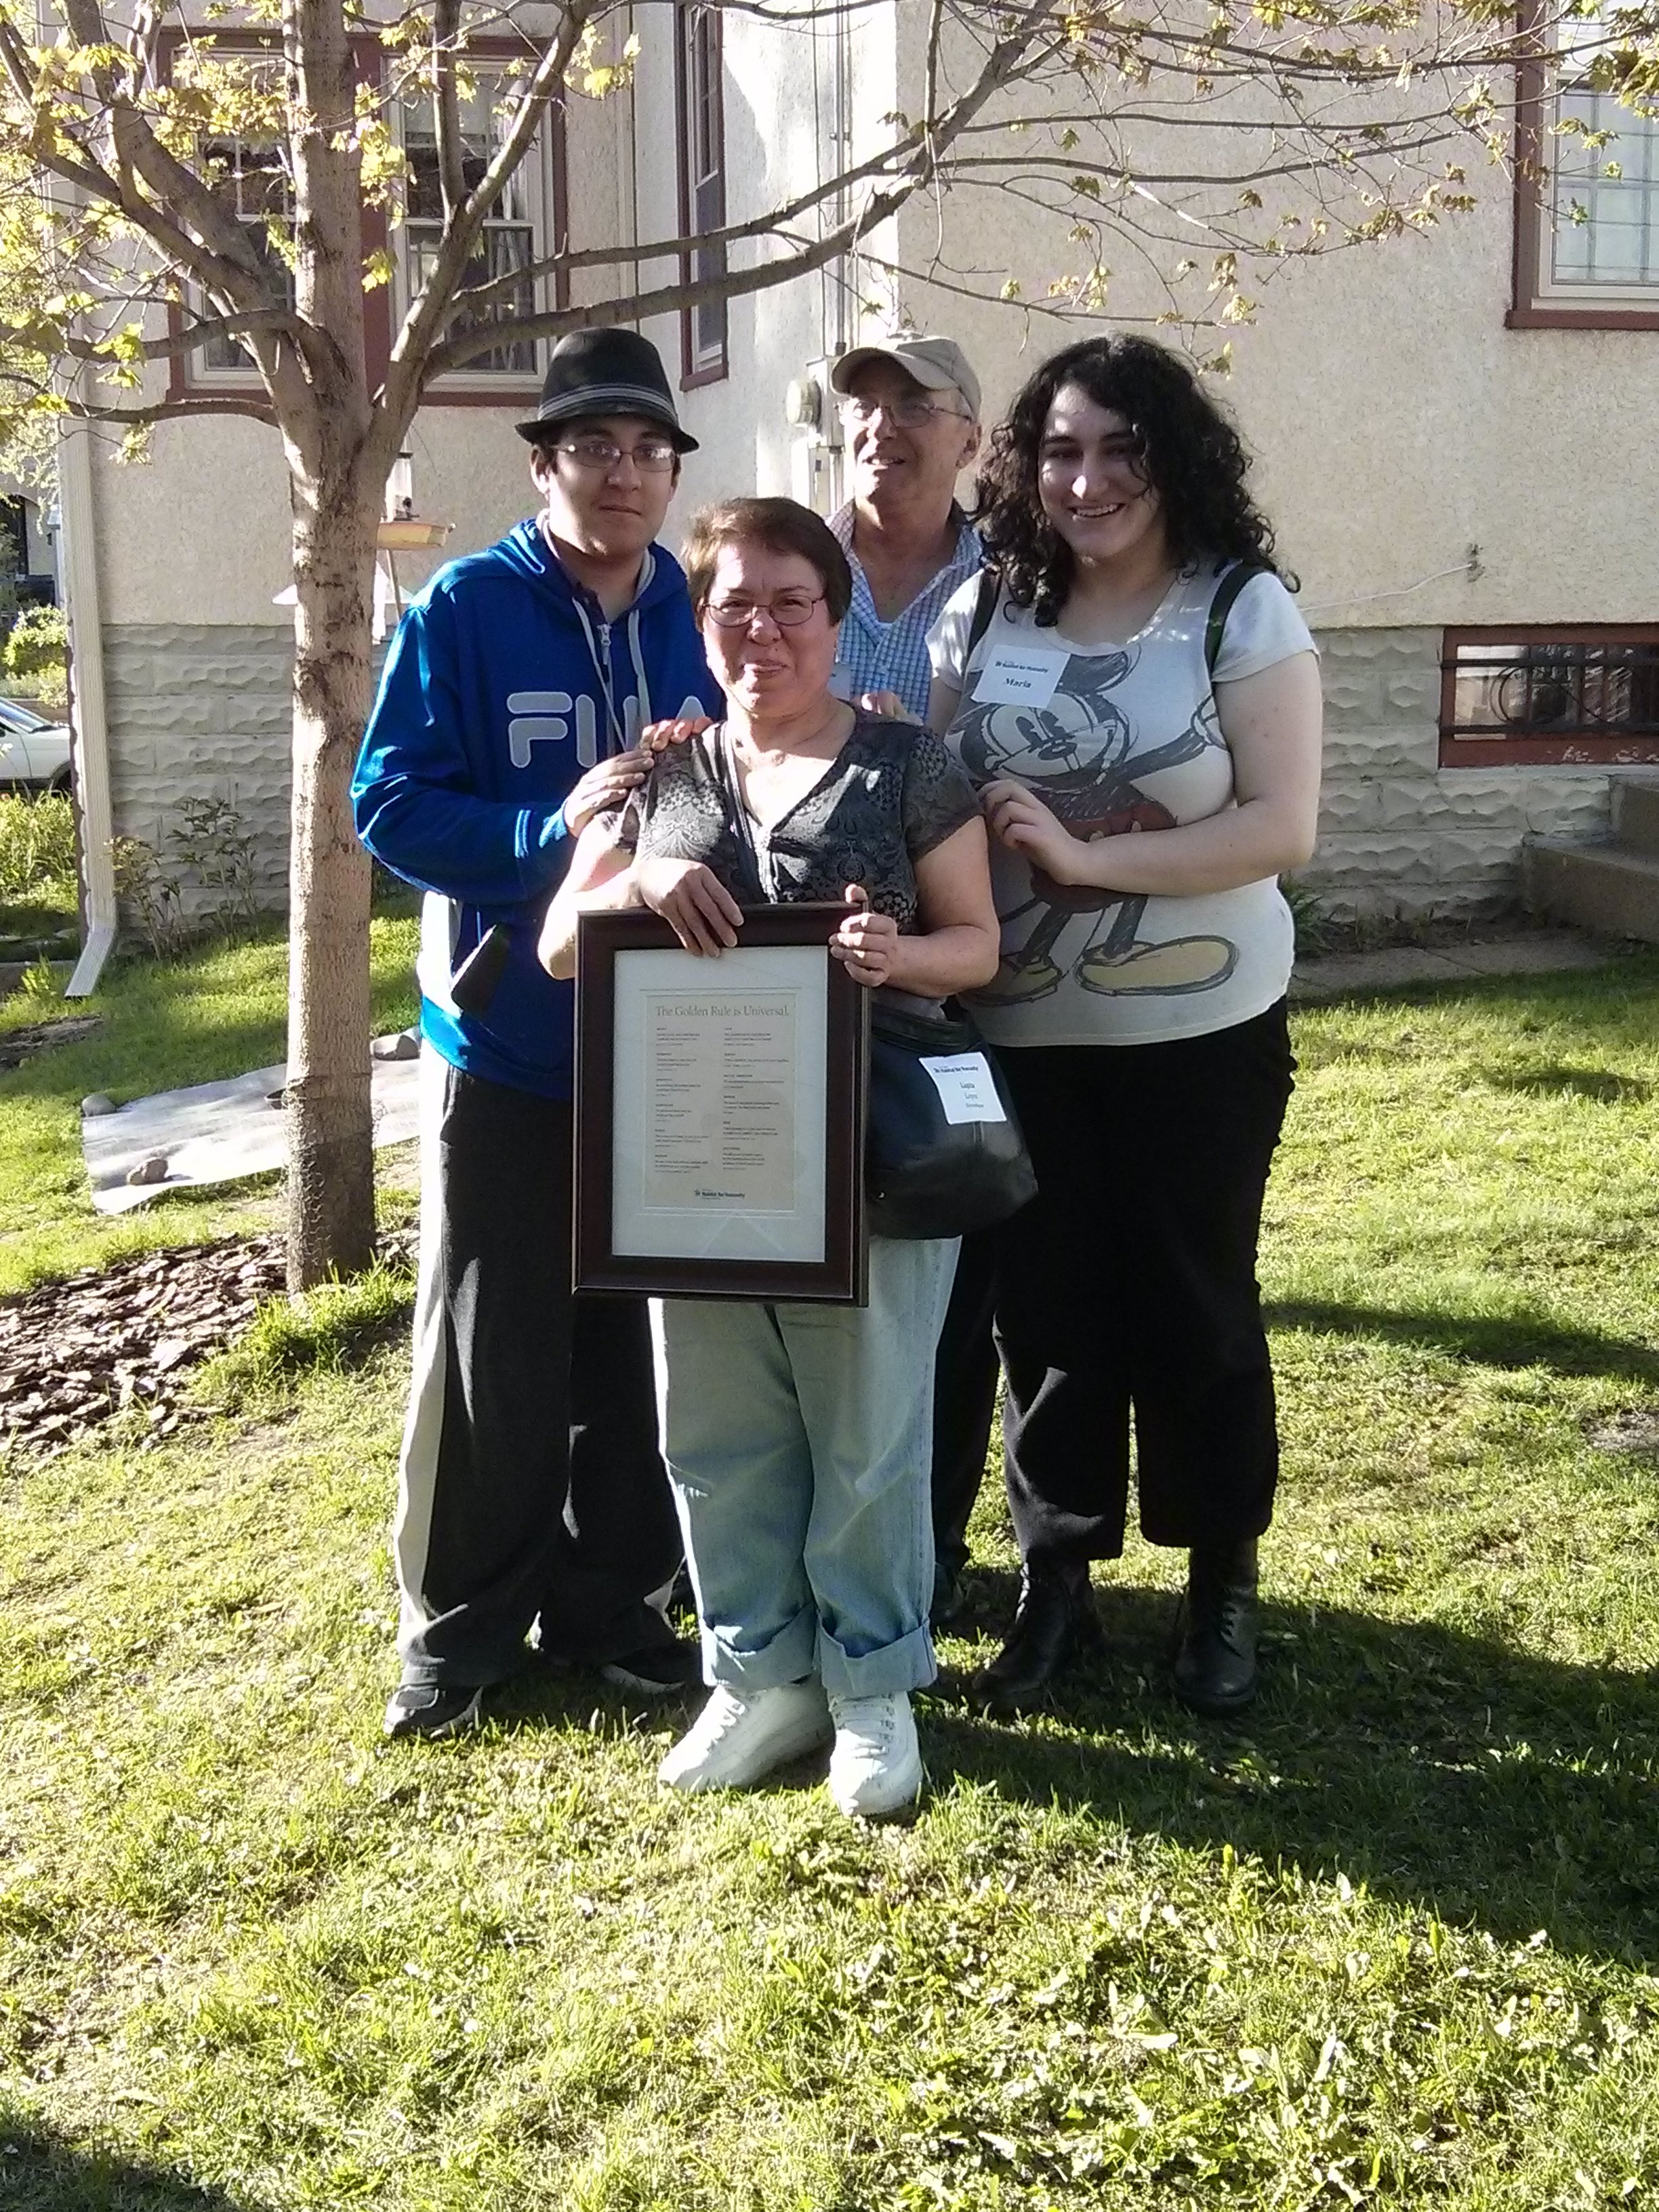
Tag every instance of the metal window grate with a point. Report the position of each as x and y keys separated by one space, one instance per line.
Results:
x=1550 y=696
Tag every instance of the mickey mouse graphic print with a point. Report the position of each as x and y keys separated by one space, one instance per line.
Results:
x=1115 y=739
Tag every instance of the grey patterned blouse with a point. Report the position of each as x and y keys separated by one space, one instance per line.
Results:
x=891 y=794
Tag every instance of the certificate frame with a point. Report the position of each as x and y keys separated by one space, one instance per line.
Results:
x=827 y=1202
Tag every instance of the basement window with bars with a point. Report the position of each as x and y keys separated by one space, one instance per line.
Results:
x=1584 y=697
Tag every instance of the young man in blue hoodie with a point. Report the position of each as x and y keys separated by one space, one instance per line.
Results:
x=529 y=1486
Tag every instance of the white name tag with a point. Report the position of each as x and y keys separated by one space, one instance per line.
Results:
x=1019 y=675
x=966 y=1088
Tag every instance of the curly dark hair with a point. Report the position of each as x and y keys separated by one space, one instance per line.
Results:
x=1195 y=460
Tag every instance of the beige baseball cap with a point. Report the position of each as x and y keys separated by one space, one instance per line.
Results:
x=938 y=364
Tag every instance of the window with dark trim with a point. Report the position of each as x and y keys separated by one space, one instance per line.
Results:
x=256 y=178
x=702 y=184
x=519 y=234
x=528 y=222
x=1587 y=198
x=250 y=178
x=1576 y=697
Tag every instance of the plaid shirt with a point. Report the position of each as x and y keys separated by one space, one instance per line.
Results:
x=877 y=656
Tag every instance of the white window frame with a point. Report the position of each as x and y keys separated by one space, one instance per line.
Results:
x=536 y=181
x=704 y=181
x=1566 y=162
x=202 y=374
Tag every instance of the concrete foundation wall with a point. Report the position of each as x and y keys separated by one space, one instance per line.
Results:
x=204 y=708
x=1399 y=834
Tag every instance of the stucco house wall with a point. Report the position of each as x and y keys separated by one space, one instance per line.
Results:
x=1425 y=465
x=1397 y=424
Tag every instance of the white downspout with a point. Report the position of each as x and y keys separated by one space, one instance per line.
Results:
x=78 y=554
x=77 y=574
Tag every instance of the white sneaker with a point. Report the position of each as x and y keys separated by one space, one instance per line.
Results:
x=735 y=1740
x=875 y=1768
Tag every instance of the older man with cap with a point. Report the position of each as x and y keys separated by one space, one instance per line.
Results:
x=531 y=1489
x=910 y=408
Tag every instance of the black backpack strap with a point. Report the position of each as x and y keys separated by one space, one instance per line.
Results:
x=990 y=585
x=1227 y=590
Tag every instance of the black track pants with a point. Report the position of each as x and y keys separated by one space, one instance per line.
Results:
x=964 y=1397
x=531 y=1481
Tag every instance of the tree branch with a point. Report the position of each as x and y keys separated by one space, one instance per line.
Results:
x=171 y=410
x=452 y=163
x=1003 y=65
x=188 y=337
x=427 y=313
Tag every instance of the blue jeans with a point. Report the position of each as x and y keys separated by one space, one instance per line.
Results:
x=799 y=1439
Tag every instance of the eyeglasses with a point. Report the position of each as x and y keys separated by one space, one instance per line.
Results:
x=651 y=456
x=903 y=414
x=789 y=610
x=1126 y=452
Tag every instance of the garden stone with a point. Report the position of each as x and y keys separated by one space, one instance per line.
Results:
x=403 y=1045
x=98 y=1102
x=153 y=1169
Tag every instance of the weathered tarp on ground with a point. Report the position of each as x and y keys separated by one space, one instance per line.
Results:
x=215 y=1131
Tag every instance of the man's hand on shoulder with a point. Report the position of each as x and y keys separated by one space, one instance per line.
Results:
x=604 y=786
x=887 y=704
x=656 y=737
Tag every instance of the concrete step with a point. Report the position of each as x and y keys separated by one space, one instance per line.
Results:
x=1635 y=811
x=1611 y=889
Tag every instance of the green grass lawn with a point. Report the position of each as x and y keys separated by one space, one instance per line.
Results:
x=217 y=1011
x=1389 y=1941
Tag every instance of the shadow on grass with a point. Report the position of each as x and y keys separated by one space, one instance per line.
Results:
x=1507 y=1339
x=39 y=2173
x=1599 y=1084
x=1444 y=1770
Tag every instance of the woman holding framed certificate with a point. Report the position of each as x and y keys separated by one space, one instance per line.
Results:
x=798 y=1435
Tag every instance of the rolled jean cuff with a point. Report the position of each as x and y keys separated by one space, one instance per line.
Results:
x=789 y=1656
x=907 y=1664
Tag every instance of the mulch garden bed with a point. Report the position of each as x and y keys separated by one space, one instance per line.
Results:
x=73 y=1353
x=20 y=1044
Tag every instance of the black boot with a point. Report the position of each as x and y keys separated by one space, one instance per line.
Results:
x=1055 y=1623
x=1217 y=1629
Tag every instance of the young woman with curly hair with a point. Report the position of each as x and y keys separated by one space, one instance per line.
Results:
x=1143 y=669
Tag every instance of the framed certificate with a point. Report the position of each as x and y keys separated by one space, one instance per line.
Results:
x=720 y=1110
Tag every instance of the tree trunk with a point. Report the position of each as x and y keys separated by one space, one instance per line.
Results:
x=336 y=488
x=330 y=1153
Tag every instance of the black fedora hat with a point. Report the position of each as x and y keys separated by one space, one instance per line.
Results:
x=605 y=372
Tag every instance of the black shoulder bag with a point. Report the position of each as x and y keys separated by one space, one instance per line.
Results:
x=943 y=1150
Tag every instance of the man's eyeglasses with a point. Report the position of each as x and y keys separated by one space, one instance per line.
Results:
x=651 y=456
x=903 y=414
x=789 y=610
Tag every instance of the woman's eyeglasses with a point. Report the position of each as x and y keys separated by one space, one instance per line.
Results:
x=650 y=457
x=789 y=610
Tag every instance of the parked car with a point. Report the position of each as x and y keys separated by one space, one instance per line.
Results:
x=34 y=753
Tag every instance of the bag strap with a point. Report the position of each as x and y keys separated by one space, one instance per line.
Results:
x=985 y=605
x=743 y=830
x=1226 y=593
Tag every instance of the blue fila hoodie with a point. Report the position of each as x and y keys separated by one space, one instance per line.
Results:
x=504 y=684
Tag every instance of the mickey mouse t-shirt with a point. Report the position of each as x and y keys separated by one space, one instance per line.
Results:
x=1115 y=739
